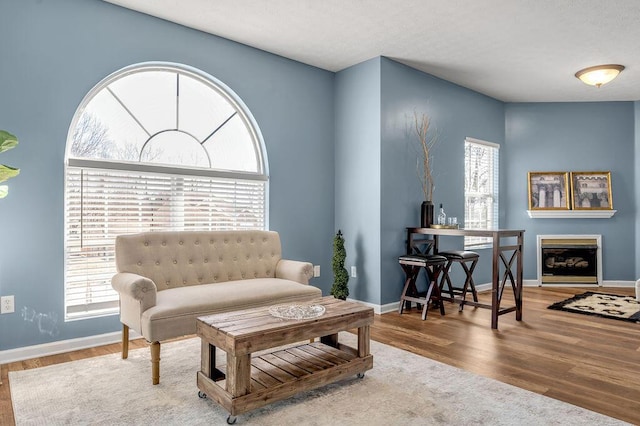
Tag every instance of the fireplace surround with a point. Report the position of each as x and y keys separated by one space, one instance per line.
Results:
x=569 y=259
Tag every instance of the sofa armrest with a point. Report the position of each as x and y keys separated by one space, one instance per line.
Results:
x=294 y=270
x=136 y=287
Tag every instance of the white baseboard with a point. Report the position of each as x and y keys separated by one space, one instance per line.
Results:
x=62 y=346
x=379 y=309
x=619 y=284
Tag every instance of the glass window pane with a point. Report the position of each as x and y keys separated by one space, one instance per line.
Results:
x=481 y=190
x=150 y=97
x=175 y=148
x=202 y=109
x=106 y=131
x=231 y=147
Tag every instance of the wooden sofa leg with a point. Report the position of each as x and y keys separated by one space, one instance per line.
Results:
x=125 y=341
x=155 y=362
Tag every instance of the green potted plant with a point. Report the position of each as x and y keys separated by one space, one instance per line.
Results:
x=339 y=290
x=7 y=141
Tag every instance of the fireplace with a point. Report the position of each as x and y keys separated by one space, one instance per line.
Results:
x=569 y=259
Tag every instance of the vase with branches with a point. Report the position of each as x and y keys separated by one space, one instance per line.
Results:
x=427 y=140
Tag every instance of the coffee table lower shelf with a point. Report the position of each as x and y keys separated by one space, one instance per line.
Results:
x=284 y=373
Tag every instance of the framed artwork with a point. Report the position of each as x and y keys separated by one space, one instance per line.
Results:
x=549 y=191
x=591 y=191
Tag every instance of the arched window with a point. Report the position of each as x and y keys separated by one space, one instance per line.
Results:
x=154 y=147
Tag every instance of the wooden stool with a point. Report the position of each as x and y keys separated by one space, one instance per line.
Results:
x=468 y=260
x=433 y=266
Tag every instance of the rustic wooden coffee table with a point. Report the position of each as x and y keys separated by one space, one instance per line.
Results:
x=247 y=383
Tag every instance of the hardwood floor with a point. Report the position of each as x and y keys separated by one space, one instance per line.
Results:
x=587 y=361
x=584 y=360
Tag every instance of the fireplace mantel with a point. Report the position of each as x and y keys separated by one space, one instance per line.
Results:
x=571 y=214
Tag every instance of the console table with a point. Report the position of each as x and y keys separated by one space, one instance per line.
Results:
x=506 y=262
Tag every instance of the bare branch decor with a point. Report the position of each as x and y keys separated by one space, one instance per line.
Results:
x=427 y=141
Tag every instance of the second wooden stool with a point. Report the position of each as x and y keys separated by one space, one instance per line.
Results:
x=468 y=260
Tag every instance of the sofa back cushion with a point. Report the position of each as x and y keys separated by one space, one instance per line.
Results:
x=182 y=258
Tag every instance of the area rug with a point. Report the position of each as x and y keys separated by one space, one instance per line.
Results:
x=625 y=308
x=402 y=388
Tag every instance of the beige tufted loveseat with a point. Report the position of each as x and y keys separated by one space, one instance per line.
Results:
x=167 y=279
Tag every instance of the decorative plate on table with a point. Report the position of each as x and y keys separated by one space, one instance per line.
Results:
x=293 y=311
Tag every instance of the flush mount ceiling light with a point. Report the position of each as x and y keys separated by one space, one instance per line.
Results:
x=599 y=75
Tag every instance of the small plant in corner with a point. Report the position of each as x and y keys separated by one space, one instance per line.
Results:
x=7 y=141
x=339 y=290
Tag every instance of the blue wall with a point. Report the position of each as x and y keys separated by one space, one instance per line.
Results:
x=339 y=150
x=357 y=213
x=456 y=113
x=636 y=178
x=54 y=52
x=574 y=137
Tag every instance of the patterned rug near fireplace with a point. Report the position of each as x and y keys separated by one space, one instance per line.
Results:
x=625 y=308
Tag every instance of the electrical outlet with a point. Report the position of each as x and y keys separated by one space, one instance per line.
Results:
x=354 y=272
x=7 y=305
x=316 y=270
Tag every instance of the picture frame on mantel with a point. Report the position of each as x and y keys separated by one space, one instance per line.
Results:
x=591 y=191
x=549 y=191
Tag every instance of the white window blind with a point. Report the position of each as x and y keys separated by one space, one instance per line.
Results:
x=481 y=189
x=102 y=204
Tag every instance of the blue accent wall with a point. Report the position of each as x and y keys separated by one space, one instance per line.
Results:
x=456 y=113
x=357 y=192
x=636 y=181
x=53 y=53
x=595 y=136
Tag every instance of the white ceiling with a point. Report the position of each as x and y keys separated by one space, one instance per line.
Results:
x=512 y=50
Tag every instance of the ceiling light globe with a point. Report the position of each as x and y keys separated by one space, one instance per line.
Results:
x=599 y=75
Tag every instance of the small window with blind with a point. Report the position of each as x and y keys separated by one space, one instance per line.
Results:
x=154 y=147
x=481 y=164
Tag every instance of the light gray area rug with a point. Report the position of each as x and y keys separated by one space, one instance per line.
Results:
x=401 y=388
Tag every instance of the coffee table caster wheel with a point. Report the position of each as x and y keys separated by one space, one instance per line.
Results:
x=202 y=395
x=231 y=419
x=360 y=375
